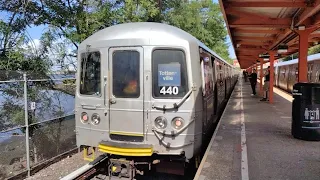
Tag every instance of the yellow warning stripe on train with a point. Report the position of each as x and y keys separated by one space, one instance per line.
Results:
x=125 y=151
x=125 y=133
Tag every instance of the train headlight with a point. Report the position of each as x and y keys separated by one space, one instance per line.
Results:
x=84 y=117
x=177 y=123
x=160 y=122
x=95 y=119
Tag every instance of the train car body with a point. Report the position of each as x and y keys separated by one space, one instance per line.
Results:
x=286 y=73
x=148 y=89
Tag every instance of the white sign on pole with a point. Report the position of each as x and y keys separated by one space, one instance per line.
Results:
x=33 y=105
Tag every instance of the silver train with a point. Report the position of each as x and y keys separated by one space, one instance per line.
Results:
x=148 y=91
x=286 y=73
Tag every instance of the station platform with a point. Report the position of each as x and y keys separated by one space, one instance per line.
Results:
x=253 y=141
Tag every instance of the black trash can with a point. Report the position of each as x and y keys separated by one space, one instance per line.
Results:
x=306 y=111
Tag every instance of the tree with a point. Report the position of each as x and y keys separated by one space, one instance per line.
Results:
x=19 y=54
x=72 y=21
x=204 y=21
x=76 y=20
x=15 y=45
x=312 y=50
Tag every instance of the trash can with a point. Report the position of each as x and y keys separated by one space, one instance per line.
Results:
x=306 y=111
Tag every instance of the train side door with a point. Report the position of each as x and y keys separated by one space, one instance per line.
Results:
x=126 y=104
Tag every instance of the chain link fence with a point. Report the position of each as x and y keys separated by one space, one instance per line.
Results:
x=36 y=119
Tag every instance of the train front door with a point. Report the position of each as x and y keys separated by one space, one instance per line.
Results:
x=126 y=88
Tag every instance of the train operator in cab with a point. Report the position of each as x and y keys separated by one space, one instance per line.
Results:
x=266 y=85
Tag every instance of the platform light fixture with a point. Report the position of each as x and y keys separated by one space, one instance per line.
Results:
x=258 y=61
x=301 y=27
x=264 y=56
x=282 y=48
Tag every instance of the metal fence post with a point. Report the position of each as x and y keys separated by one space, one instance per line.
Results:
x=26 y=122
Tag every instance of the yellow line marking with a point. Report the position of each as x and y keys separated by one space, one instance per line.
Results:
x=281 y=93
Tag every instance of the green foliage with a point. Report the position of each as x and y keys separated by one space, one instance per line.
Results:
x=292 y=56
x=314 y=50
x=311 y=51
x=15 y=54
x=203 y=20
x=137 y=11
x=76 y=20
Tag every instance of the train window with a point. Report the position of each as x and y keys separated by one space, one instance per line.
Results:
x=213 y=69
x=169 y=73
x=206 y=74
x=202 y=69
x=126 y=74
x=90 y=74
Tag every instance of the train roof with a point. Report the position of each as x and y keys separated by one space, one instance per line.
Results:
x=145 y=30
x=295 y=61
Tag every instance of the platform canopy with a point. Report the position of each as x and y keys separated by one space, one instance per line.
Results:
x=259 y=26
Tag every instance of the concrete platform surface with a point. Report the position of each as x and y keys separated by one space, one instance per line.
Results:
x=254 y=141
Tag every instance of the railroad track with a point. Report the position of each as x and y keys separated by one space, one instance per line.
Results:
x=89 y=170
x=98 y=170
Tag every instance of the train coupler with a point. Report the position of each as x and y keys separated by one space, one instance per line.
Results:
x=123 y=168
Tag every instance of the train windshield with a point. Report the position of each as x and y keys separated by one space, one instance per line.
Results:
x=90 y=74
x=126 y=74
x=169 y=73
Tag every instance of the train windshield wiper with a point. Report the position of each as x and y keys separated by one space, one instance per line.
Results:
x=175 y=105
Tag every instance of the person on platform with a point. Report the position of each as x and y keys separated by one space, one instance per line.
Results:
x=245 y=75
x=253 y=81
x=266 y=85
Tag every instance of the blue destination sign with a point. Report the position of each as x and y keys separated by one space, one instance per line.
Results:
x=169 y=75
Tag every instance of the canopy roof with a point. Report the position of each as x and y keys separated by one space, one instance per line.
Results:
x=259 y=26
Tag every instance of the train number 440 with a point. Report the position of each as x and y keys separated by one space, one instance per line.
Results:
x=170 y=90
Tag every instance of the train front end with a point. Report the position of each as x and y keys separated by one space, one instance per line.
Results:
x=135 y=102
